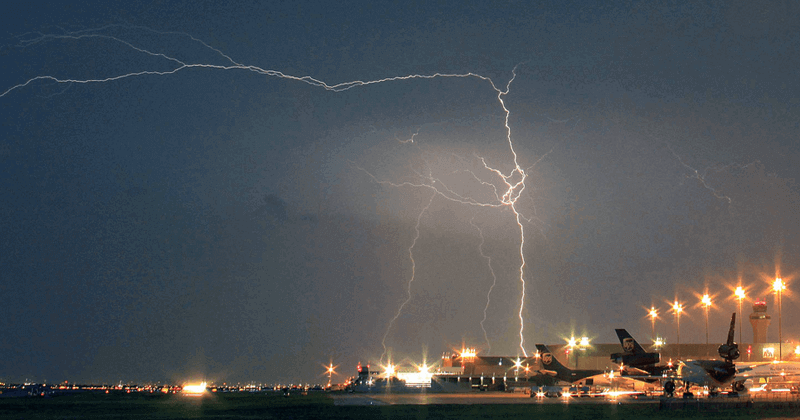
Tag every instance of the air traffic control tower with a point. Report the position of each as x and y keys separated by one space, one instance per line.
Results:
x=760 y=321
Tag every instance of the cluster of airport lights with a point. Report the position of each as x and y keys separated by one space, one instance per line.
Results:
x=677 y=308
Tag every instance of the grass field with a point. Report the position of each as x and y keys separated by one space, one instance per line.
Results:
x=321 y=406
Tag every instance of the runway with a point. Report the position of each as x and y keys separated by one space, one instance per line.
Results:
x=482 y=398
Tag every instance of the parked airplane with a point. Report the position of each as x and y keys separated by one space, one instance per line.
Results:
x=711 y=373
x=634 y=359
x=552 y=367
x=777 y=369
x=714 y=374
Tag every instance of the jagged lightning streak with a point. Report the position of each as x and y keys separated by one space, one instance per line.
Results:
x=413 y=274
x=494 y=283
x=509 y=199
x=232 y=65
x=701 y=177
x=514 y=181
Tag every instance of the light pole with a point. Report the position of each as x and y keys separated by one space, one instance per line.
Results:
x=678 y=308
x=517 y=366
x=706 y=301
x=739 y=293
x=778 y=286
x=331 y=370
x=653 y=315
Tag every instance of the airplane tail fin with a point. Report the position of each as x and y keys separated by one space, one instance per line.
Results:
x=549 y=361
x=732 y=330
x=629 y=344
x=730 y=350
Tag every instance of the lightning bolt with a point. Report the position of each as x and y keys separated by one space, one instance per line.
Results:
x=507 y=196
x=231 y=65
x=494 y=283
x=512 y=194
x=413 y=273
x=701 y=176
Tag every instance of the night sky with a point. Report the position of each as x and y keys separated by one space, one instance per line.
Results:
x=243 y=224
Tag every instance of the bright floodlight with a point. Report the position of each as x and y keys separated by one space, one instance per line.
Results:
x=706 y=301
x=739 y=293
x=653 y=312
x=518 y=363
x=572 y=341
x=389 y=371
x=584 y=341
x=778 y=285
x=677 y=307
x=194 y=389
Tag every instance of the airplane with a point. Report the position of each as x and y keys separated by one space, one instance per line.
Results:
x=776 y=369
x=714 y=374
x=552 y=367
x=634 y=356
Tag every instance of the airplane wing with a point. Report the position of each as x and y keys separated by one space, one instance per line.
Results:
x=545 y=372
x=768 y=370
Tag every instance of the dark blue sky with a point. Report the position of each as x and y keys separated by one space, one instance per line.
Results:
x=227 y=224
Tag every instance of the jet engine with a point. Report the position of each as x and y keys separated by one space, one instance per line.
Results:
x=729 y=352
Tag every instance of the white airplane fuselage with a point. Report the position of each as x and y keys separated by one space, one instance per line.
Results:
x=775 y=369
x=711 y=373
